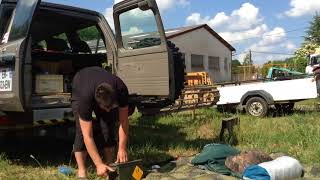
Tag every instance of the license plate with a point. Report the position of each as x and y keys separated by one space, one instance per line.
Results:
x=5 y=79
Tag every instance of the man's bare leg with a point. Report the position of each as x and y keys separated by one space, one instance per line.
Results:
x=108 y=154
x=81 y=161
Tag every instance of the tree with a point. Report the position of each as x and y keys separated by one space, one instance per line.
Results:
x=300 y=60
x=313 y=33
x=309 y=46
x=90 y=33
x=235 y=66
x=247 y=61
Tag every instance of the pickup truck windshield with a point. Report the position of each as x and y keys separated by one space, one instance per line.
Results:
x=315 y=60
x=5 y=16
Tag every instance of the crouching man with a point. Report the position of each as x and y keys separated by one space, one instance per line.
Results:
x=96 y=90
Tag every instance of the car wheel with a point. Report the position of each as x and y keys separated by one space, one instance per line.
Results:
x=257 y=107
x=131 y=110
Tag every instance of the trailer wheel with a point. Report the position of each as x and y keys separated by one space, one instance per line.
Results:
x=257 y=107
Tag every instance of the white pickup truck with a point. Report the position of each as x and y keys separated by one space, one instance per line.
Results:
x=257 y=97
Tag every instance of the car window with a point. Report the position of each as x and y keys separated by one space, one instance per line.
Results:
x=5 y=16
x=58 y=43
x=139 y=29
x=93 y=38
x=22 y=19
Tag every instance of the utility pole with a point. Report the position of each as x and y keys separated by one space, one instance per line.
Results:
x=250 y=62
x=250 y=56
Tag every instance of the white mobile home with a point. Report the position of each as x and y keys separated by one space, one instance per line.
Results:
x=204 y=50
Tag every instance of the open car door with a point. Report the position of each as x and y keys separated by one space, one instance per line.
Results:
x=144 y=63
x=15 y=60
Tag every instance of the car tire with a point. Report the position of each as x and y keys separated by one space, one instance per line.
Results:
x=179 y=68
x=131 y=110
x=257 y=107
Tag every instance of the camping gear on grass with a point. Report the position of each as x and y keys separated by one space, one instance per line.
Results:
x=213 y=157
x=66 y=170
x=245 y=159
x=282 y=168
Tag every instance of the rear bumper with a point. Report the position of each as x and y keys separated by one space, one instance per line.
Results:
x=37 y=118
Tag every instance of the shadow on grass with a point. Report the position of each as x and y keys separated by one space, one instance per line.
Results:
x=274 y=113
x=154 y=142
x=49 y=151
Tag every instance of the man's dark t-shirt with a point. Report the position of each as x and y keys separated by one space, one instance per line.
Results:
x=84 y=86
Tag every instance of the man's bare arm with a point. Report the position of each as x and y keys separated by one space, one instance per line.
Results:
x=87 y=132
x=123 y=135
x=86 y=128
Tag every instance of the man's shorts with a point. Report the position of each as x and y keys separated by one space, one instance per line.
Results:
x=103 y=130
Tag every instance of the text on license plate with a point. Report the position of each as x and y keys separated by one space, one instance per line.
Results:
x=5 y=79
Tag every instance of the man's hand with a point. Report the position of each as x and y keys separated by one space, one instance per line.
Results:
x=123 y=135
x=102 y=170
x=122 y=156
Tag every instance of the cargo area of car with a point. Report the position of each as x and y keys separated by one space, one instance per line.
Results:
x=62 y=44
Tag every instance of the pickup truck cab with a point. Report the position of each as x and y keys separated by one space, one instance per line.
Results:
x=43 y=45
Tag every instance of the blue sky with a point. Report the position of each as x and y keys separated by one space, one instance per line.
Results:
x=272 y=26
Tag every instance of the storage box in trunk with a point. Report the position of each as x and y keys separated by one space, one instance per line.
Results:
x=49 y=84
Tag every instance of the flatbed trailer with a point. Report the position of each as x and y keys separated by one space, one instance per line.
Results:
x=256 y=97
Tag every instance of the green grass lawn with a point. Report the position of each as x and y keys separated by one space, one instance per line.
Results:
x=310 y=102
x=161 y=138
x=180 y=135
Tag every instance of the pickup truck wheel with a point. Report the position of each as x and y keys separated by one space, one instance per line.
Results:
x=257 y=107
x=179 y=68
x=131 y=110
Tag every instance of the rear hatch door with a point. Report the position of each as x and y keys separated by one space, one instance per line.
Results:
x=15 y=64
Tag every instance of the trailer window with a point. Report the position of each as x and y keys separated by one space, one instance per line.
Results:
x=214 y=63
x=226 y=64
x=197 y=62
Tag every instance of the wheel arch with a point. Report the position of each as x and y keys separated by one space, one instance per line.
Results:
x=259 y=93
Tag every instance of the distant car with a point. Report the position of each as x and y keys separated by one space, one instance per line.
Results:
x=314 y=61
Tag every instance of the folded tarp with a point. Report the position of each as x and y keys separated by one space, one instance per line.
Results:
x=213 y=157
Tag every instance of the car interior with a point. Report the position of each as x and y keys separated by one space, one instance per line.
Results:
x=62 y=44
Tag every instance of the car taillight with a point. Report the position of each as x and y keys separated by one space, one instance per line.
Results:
x=4 y=120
